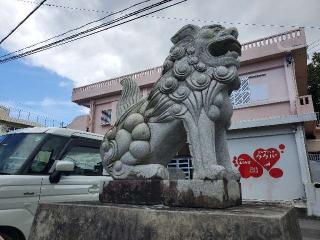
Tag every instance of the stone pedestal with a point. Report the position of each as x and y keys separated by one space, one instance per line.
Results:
x=76 y=221
x=175 y=193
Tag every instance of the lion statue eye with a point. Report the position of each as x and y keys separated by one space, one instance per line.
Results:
x=207 y=33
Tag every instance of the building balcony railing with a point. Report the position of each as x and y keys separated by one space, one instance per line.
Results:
x=274 y=39
x=268 y=41
x=118 y=79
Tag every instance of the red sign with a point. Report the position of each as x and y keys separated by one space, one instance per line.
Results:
x=262 y=159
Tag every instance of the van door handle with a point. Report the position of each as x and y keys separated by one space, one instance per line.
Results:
x=93 y=189
x=28 y=193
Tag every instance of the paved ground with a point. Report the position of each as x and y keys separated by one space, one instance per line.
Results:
x=315 y=170
x=310 y=229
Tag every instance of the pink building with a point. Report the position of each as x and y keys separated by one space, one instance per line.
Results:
x=272 y=116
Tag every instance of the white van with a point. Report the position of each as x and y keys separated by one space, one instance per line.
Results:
x=45 y=165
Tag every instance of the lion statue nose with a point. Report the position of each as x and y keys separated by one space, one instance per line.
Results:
x=231 y=31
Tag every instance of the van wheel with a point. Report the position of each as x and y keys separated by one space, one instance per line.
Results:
x=11 y=235
x=5 y=237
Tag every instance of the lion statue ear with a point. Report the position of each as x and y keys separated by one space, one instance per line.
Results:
x=189 y=31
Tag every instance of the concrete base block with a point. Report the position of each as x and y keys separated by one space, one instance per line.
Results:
x=128 y=222
x=175 y=193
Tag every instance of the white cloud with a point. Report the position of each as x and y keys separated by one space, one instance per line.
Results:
x=49 y=102
x=46 y=102
x=63 y=84
x=31 y=103
x=137 y=45
x=84 y=110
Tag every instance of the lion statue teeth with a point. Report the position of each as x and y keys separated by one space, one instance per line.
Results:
x=189 y=103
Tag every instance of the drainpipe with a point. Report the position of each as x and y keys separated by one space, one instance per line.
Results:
x=92 y=116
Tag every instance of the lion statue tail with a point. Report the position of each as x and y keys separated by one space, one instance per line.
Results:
x=130 y=95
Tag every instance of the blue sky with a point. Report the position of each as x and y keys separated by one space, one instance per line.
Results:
x=37 y=90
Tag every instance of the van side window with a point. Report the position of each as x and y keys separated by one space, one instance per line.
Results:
x=47 y=154
x=86 y=159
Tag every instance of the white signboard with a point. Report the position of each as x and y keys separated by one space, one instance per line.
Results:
x=268 y=163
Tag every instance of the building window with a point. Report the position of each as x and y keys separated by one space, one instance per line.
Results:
x=106 y=117
x=242 y=95
x=259 y=92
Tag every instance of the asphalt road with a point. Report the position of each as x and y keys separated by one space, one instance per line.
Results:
x=310 y=229
x=315 y=170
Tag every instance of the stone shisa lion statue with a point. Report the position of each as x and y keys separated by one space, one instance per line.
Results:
x=190 y=102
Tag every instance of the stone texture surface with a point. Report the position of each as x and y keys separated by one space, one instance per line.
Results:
x=141 y=132
x=110 y=222
x=190 y=102
x=132 y=121
x=177 y=193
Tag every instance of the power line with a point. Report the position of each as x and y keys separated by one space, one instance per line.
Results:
x=74 y=29
x=96 y=29
x=234 y=23
x=67 y=7
x=186 y=19
x=92 y=29
x=20 y=23
x=60 y=42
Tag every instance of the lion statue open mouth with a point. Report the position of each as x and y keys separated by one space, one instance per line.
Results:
x=190 y=102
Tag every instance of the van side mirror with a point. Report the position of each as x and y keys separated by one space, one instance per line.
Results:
x=64 y=166
x=60 y=167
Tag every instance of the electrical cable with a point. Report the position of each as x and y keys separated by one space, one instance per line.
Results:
x=67 y=7
x=75 y=35
x=87 y=32
x=92 y=29
x=20 y=23
x=74 y=29
x=188 y=19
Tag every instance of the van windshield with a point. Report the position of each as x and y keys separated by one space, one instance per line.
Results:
x=15 y=149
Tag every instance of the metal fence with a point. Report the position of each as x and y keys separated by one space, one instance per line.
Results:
x=183 y=163
x=314 y=157
x=318 y=118
x=34 y=118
